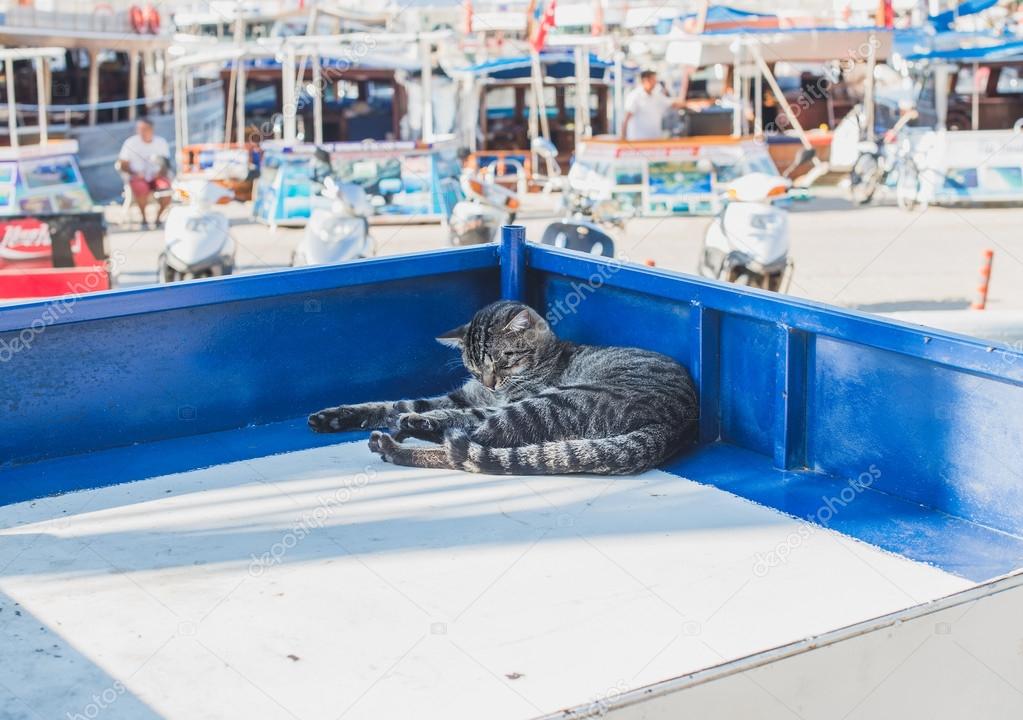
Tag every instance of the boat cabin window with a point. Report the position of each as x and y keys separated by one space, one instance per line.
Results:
x=707 y=82
x=505 y=108
x=346 y=91
x=1000 y=97
x=364 y=105
x=69 y=94
x=815 y=91
x=965 y=80
x=1010 y=81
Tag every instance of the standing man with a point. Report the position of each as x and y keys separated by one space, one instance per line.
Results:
x=645 y=106
x=145 y=157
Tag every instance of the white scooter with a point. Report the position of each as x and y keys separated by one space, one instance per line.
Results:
x=590 y=219
x=485 y=207
x=197 y=240
x=748 y=242
x=588 y=224
x=339 y=231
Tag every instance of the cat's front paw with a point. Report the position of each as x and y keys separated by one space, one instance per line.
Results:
x=337 y=419
x=383 y=445
x=419 y=426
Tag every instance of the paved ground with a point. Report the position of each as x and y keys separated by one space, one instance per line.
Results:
x=877 y=258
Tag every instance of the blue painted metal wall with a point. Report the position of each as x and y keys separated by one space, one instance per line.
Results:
x=820 y=394
x=931 y=418
x=938 y=436
x=134 y=367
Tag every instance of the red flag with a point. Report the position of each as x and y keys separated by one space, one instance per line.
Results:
x=546 y=23
x=885 y=15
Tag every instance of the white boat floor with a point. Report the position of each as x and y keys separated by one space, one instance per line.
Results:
x=326 y=584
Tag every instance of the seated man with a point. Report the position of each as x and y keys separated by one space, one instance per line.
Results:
x=146 y=158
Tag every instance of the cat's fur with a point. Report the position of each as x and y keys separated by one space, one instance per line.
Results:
x=535 y=405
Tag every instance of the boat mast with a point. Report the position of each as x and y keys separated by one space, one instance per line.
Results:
x=12 y=123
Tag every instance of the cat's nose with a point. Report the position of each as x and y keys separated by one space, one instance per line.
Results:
x=489 y=380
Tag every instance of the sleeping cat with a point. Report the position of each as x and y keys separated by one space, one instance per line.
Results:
x=535 y=405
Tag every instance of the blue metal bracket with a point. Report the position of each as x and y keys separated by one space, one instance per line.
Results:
x=705 y=366
x=791 y=399
x=513 y=262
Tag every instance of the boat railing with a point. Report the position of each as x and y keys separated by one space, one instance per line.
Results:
x=108 y=17
x=77 y=113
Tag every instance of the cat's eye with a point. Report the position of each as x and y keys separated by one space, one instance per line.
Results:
x=511 y=359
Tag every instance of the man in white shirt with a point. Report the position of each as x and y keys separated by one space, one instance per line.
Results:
x=145 y=156
x=645 y=106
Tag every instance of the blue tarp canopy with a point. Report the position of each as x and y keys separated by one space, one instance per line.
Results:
x=1005 y=51
x=715 y=14
x=724 y=13
x=556 y=64
x=943 y=21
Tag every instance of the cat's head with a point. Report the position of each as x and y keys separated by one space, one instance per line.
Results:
x=503 y=340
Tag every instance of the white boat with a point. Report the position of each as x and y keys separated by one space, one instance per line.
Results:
x=968 y=148
x=114 y=70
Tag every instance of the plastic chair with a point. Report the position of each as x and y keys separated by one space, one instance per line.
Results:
x=129 y=198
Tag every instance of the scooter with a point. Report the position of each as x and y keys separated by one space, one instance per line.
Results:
x=197 y=241
x=589 y=219
x=484 y=208
x=587 y=225
x=340 y=231
x=748 y=241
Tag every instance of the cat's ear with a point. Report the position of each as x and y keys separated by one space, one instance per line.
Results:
x=454 y=338
x=525 y=319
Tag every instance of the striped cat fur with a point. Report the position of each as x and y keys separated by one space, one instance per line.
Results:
x=535 y=405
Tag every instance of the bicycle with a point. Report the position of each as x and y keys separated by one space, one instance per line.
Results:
x=876 y=162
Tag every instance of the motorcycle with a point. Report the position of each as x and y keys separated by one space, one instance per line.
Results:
x=748 y=241
x=485 y=207
x=339 y=231
x=197 y=241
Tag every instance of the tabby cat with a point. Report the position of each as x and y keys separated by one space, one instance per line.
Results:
x=535 y=405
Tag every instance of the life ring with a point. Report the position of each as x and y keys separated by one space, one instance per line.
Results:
x=102 y=14
x=137 y=18
x=152 y=16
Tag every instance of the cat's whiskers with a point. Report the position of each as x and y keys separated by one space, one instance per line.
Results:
x=454 y=363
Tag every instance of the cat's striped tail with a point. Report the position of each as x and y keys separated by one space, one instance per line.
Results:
x=625 y=454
